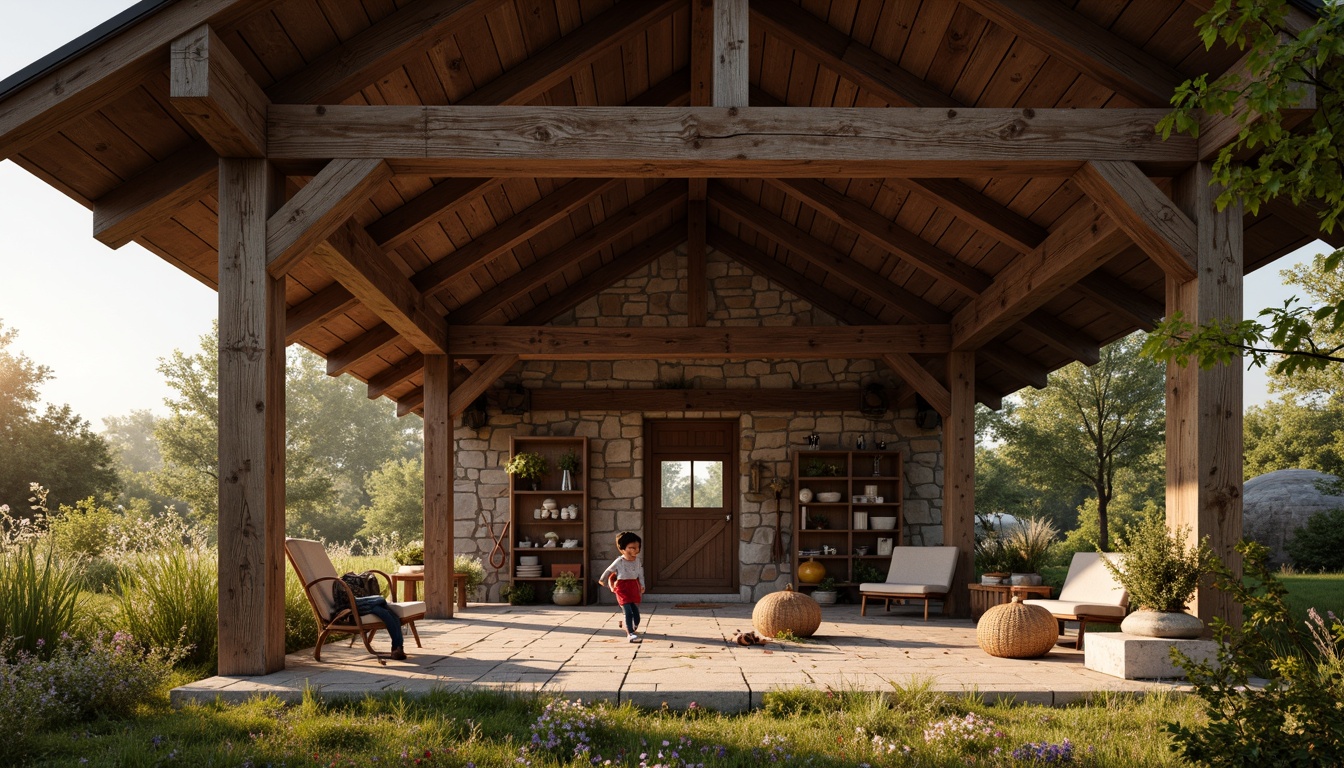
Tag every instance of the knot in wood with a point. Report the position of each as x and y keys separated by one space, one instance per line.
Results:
x=321 y=110
x=261 y=406
x=1029 y=113
x=1014 y=129
x=542 y=133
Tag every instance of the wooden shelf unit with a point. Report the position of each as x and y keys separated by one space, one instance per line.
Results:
x=523 y=500
x=854 y=471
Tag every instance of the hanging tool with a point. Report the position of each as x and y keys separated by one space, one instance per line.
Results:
x=498 y=556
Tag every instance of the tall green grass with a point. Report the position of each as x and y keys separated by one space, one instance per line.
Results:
x=173 y=593
x=1322 y=591
x=39 y=596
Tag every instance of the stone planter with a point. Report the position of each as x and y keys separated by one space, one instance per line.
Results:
x=1025 y=579
x=824 y=598
x=1145 y=623
x=567 y=598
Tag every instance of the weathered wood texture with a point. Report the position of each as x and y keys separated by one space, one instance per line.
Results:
x=959 y=476
x=1144 y=213
x=438 y=488
x=1204 y=407
x=923 y=382
x=325 y=203
x=695 y=400
x=251 y=427
x=730 y=53
x=216 y=95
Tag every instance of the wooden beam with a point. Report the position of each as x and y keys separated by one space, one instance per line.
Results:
x=361 y=348
x=959 y=476
x=1084 y=239
x=218 y=98
x=1062 y=337
x=832 y=261
x=1305 y=217
x=154 y=195
x=989 y=399
x=411 y=402
x=560 y=343
x=842 y=54
x=351 y=257
x=730 y=53
x=697 y=284
x=400 y=225
x=438 y=488
x=385 y=380
x=986 y=214
x=552 y=65
x=251 y=426
x=1217 y=131
x=317 y=309
x=886 y=234
x=307 y=218
x=919 y=379
x=495 y=243
x=711 y=141
x=604 y=276
x=1091 y=49
x=539 y=272
x=753 y=400
x=1122 y=300
x=1152 y=221
x=1014 y=366
x=478 y=383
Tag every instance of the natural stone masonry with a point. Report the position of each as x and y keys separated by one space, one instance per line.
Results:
x=614 y=473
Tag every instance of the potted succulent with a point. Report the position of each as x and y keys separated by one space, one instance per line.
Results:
x=1161 y=572
x=569 y=466
x=567 y=590
x=528 y=466
x=411 y=557
x=1029 y=542
x=825 y=593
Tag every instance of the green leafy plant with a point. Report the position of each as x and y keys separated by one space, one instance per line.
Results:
x=1161 y=571
x=825 y=585
x=1319 y=545
x=819 y=468
x=1290 y=719
x=528 y=466
x=471 y=566
x=787 y=636
x=1029 y=542
x=413 y=553
x=991 y=549
x=519 y=594
x=566 y=582
x=568 y=461
x=39 y=595
x=170 y=597
x=866 y=572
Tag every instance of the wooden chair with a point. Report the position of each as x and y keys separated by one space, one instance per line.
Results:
x=916 y=573
x=1090 y=593
x=315 y=572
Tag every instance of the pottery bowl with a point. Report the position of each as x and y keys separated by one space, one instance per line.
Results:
x=829 y=497
x=882 y=523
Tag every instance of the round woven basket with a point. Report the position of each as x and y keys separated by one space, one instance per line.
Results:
x=794 y=611
x=1017 y=631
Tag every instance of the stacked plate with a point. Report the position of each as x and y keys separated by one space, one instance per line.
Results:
x=529 y=566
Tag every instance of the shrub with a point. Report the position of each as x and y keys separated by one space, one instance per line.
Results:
x=39 y=595
x=1319 y=545
x=101 y=575
x=1161 y=572
x=519 y=594
x=171 y=596
x=470 y=565
x=84 y=530
x=411 y=554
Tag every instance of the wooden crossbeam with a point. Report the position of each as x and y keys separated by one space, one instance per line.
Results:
x=1014 y=366
x=512 y=232
x=1062 y=337
x=604 y=276
x=557 y=343
x=361 y=348
x=1122 y=300
x=411 y=402
x=675 y=400
x=155 y=194
x=986 y=214
x=351 y=257
x=391 y=377
x=401 y=224
x=919 y=378
x=615 y=226
x=317 y=309
x=479 y=381
x=1150 y=219
x=710 y=141
x=307 y=218
x=218 y=98
x=1084 y=239
x=1092 y=50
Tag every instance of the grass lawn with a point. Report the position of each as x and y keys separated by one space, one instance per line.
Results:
x=1322 y=591
x=484 y=729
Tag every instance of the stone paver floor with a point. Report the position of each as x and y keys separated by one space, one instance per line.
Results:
x=687 y=655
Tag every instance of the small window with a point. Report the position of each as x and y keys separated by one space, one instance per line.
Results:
x=691 y=484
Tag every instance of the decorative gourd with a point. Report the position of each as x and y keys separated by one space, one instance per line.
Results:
x=1016 y=630
x=787 y=610
x=811 y=572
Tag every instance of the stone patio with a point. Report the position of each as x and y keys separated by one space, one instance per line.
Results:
x=687 y=655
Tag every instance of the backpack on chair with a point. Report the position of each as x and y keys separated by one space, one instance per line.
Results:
x=361 y=584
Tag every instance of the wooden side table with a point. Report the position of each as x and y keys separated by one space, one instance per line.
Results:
x=986 y=596
x=409 y=580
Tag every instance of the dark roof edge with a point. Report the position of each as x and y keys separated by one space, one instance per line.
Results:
x=79 y=45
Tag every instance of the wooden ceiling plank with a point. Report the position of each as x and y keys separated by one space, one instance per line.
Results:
x=216 y=96
x=556 y=63
x=317 y=309
x=990 y=217
x=678 y=400
x=351 y=257
x=1083 y=240
x=1149 y=217
x=391 y=377
x=1061 y=337
x=1305 y=218
x=615 y=226
x=399 y=226
x=604 y=276
x=479 y=381
x=155 y=194
x=307 y=218
x=837 y=51
x=513 y=231
x=1091 y=49
x=702 y=52
x=361 y=348
x=1122 y=300
x=885 y=234
x=622 y=343
x=1015 y=366
x=711 y=141
x=923 y=382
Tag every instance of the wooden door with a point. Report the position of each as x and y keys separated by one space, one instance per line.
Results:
x=690 y=507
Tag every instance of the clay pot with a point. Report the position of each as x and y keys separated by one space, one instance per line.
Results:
x=811 y=572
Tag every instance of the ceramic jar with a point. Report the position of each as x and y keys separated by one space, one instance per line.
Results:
x=805 y=495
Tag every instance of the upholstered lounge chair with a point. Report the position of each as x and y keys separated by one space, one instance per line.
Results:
x=916 y=573
x=317 y=574
x=1090 y=593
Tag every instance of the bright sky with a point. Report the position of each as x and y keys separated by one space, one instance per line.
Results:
x=101 y=319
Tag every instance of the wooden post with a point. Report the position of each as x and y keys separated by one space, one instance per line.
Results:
x=959 y=476
x=1204 y=422
x=251 y=426
x=438 y=488
x=730 y=53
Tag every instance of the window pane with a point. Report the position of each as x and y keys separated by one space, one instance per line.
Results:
x=676 y=483
x=709 y=484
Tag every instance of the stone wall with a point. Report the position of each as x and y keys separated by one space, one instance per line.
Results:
x=655 y=296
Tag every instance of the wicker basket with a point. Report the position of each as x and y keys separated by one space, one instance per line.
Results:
x=1017 y=631
x=794 y=611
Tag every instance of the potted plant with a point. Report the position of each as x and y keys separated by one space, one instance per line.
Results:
x=528 y=466
x=1161 y=572
x=1029 y=542
x=519 y=594
x=569 y=466
x=825 y=593
x=992 y=557
x=567 y=590
x=411 y=557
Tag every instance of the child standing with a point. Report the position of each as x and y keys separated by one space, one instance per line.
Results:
x=625 y=577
